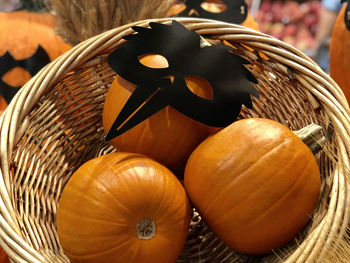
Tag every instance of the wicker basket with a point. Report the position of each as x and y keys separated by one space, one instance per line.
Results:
x=53 y=125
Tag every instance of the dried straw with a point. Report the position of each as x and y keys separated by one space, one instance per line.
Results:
x=78 y=20
x=340 y=253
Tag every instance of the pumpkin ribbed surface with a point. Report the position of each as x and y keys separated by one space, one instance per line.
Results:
x=123 y=207
x=255 y=183
x=339 y=54
x=168 y=136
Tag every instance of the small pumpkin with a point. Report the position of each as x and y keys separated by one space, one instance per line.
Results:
x=168 y=136
x=123 y=207
x=339 y=53
x=255 y=183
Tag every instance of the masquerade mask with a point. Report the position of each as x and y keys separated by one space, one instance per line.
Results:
x=32 y=64
x=158 y=88
x=235 y=11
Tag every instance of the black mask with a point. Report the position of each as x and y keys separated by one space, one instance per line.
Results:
x=32 y=64
x=347 y=14
x=235 y=12
x=225 y=71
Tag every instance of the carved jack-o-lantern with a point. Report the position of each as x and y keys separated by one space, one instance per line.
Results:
x=28 y=42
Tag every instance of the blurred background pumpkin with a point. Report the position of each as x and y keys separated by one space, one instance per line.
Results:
x=339 y=52
x=28 y=42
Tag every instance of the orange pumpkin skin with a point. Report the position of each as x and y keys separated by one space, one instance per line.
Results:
x=255 y=183
x=168 y=136
x=107 y=197
x=339 y=54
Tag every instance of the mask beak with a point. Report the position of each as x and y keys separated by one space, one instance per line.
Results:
x=142 y=104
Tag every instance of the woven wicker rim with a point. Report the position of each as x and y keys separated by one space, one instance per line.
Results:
x=319 y=85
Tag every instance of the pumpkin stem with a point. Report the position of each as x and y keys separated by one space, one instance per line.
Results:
x=312 y=136
x=145 y=229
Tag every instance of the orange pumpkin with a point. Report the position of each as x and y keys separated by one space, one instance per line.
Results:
x=123 y=207
x=168 y=136
x=214 y=6
x=21 y=34
x=339 y=54
x=255 y=183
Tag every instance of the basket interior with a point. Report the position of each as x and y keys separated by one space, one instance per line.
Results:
x=64 y=130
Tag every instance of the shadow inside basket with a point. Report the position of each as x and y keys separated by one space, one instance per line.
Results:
x=64 y=130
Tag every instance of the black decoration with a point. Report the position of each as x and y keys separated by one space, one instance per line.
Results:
x=32 y=64
x=236 y=11
x=347 y=14
x=181 y=47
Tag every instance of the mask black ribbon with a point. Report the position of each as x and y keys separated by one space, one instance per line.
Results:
x=32 y=64
x=347 y=13
x=225 y=71
x=236 y=11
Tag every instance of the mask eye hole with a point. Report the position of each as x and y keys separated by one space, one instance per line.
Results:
x=214 y=6
x=16 y=77
x=155 y=61
x=199 y=86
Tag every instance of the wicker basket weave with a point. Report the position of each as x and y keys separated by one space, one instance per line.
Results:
x=53 y=125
